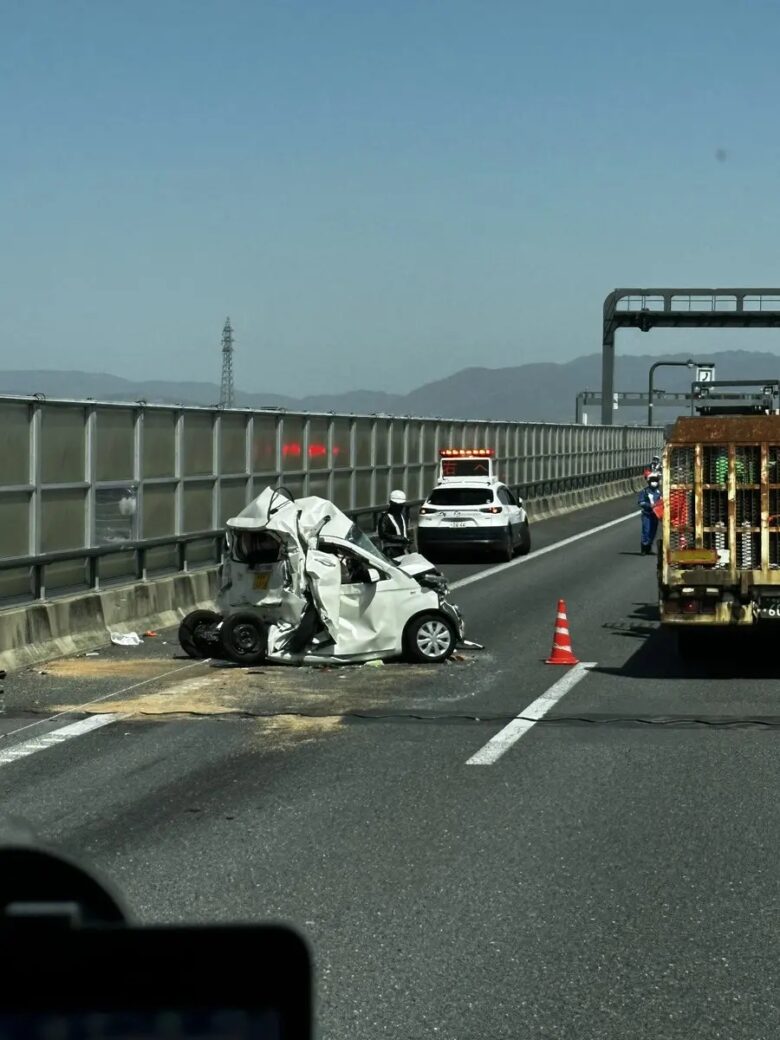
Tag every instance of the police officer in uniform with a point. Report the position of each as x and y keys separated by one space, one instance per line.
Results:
x=393 y=528
x=649 y=497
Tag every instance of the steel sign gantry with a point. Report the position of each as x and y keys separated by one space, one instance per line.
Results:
x=679 y=308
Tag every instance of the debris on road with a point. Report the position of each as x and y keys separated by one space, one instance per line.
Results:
x=126 y=639
x=150 y=634
x=92 y=653
x=374 y=664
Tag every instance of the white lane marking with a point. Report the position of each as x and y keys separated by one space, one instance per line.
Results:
x=462 y=582
x=506 y=737
x=56 y=736
x=106 y=696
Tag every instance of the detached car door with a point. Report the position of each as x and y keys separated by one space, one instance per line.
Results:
x=372 y=613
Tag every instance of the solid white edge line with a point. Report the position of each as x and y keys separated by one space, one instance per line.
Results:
x=56 y=736
x=462 y=582
x=511 y=733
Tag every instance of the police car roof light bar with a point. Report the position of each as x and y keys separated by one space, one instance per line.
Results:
x=453 y=453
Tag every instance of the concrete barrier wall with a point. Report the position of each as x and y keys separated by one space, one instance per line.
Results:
x=40 y=631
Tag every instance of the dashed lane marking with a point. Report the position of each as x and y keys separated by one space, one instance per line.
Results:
x=514 y=730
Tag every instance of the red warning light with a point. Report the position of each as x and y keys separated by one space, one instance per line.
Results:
x=317 y=451
x=293 y=449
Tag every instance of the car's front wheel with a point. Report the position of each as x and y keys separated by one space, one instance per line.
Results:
x=429 y=639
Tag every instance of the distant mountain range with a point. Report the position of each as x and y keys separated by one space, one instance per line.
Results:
x=542 y=391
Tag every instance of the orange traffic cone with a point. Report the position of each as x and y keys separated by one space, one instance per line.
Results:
x=561 y=652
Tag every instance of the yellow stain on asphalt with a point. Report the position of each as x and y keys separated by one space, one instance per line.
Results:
x=109 y=668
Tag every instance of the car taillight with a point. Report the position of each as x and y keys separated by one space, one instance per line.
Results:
x=490 y=509
x=690 y=606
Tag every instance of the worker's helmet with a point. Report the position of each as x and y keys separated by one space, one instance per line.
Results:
x=397 y=498
x=653 y=478
x=656 y=458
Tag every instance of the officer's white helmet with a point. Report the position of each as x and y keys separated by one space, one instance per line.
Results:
x=398 y=498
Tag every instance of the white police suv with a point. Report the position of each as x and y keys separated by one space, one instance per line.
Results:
x=470 y=507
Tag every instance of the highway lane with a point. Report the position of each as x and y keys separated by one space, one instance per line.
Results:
x=603 y=878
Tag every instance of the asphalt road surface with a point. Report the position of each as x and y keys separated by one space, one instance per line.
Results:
x=612 y=874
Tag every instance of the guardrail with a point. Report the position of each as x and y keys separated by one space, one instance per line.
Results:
x=96 y=493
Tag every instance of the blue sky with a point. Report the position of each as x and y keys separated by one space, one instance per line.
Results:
x=377 y=193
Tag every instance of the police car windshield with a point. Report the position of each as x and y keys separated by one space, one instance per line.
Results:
x=461 y=496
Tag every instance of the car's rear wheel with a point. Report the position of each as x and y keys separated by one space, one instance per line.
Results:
x=197 y=633
x=525 y=539
x=244 y=638
x=429 y=639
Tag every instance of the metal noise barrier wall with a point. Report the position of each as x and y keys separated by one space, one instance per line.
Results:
x=95 y=493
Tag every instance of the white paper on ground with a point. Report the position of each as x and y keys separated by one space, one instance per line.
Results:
x=126 y=639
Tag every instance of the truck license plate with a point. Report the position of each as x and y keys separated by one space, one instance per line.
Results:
x=261 y=581
x=769 y=608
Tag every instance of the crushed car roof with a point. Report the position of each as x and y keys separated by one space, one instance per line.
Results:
x=305 y=517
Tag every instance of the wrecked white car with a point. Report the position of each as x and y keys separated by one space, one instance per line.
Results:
x=302 y=584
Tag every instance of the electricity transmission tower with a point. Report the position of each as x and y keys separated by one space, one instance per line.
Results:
x=227 y=393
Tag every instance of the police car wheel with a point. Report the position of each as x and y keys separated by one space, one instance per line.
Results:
x=429 y=639
x=244 y=638
x=195 y=637
x=507 y=549
x=525 y=539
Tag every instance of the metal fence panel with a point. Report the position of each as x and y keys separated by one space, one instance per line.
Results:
x=197 y=444
x=114 y=444
x=82 y=479
x=159 y=444
x=16 y=426
x=341 y=448
x=382 y=442
x=158 y=517
x=399 y=442
x=15 y=523
x=63 y=444
x=265 y=451
x=232 y=444
x=63 y=512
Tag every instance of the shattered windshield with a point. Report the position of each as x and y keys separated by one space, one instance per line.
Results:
x=359 y=538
